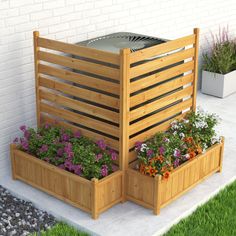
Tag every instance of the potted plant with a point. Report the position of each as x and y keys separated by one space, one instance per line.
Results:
x=219 y=66
x=68 y=166
x=174 y=161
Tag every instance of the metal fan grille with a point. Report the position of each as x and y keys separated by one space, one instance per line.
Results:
x=117 y=41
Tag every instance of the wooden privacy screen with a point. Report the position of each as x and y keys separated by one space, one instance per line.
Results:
x=121 y=98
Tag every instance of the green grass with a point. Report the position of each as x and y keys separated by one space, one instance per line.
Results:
x=61 y=229
x=215 y=218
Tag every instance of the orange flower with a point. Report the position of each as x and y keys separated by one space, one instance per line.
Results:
x=188 y=140
x=142 y=169
x=166 y=175
x=199 y=150
x=151 y=171
x=192 y=155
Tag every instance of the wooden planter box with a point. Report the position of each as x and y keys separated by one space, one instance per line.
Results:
x=156 y=193
x=93 y=196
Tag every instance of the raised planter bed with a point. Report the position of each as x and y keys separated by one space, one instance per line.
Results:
x=93 y=196
x=156 y=193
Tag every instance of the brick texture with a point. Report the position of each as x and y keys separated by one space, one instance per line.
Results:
x=76 y=20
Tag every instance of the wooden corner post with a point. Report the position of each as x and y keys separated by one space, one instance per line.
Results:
x=195 y=83
x=13 y=172
x=124 y=114
x=221 y=153
x=36 y=62
x=94 y=199
x=157 y=195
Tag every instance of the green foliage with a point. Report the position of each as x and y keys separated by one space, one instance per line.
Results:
x=222 y=55
x=216 y=217
x=61 y=229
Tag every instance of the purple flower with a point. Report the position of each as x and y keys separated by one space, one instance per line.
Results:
x=47 y=159
x=70 y=155
x=114 y=168
x=47 y=126
x=176 y=162
x=16 y=140
x=78 y=169
x=44 y=148
x=104 y=170
x=62 y=166
x=77 y=134
x=138 y=145
x=101 y=144
x=113 y=156
x=60 y=152
x=68 y=148
x=150 y=153
x=65 y=137
x=177 y=153
x=23 y=128
x=68 y=164
x=166 y=140
x=27 y=134
x=98 y=157
x=161 y=150
x=24 y=144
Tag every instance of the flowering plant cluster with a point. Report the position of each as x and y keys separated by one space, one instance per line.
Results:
x=184 y=140
x=69 y=151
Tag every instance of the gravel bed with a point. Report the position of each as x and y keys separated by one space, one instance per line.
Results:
x=19 y=217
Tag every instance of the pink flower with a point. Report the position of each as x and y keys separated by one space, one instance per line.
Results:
x=77 y=134
x=104 y=170
x=161 y=150
x=114 y=168
x=61 y=166
x=44 y=148
x=177 y=153
x=138 y=145
x=47 y=126
x=113 y=156
x=27 y=134
x=101 y=144
x=150 y=153
x=24 y=144
x=68 y=164
x=47 y=159
x=23 y=128
x=68 y=148
x=98 y=157
x=60 y=152
x=78 y=169
x=65 y=137
x=176 y=162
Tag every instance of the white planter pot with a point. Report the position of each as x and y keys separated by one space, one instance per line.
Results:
x=218 y=85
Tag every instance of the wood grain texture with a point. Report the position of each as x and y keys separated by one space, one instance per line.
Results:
x=161 y=192
x=73 y=189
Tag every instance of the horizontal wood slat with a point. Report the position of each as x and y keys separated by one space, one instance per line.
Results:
x=79 y=79
x=79 y=106
x=162 y=48
x=78 y=64
x=160 y=103
x=112 y=143
x=79 y=92
x=161 y=76
x=161 y=89
x=79 y=50
x=80 y=119
x=161 y=62
x=158 y=117
x=149 y=133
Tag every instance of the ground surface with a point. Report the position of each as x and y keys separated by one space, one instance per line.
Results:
x=132 y=220
x=19 y=217
x=217 y=217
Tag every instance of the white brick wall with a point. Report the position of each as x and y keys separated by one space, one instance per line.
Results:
x=76 y=20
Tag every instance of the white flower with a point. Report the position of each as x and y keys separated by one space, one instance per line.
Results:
x=187 y=156
x=175 y=133
x=185 y=121
x=181 y=135
x=201 y=124
x=143 y=147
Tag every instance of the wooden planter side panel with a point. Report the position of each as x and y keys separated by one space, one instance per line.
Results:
x=156 y=193
x=187 y=176
x=162 y=86
x=78 y=87
x=52 y=180
x=91 y=196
